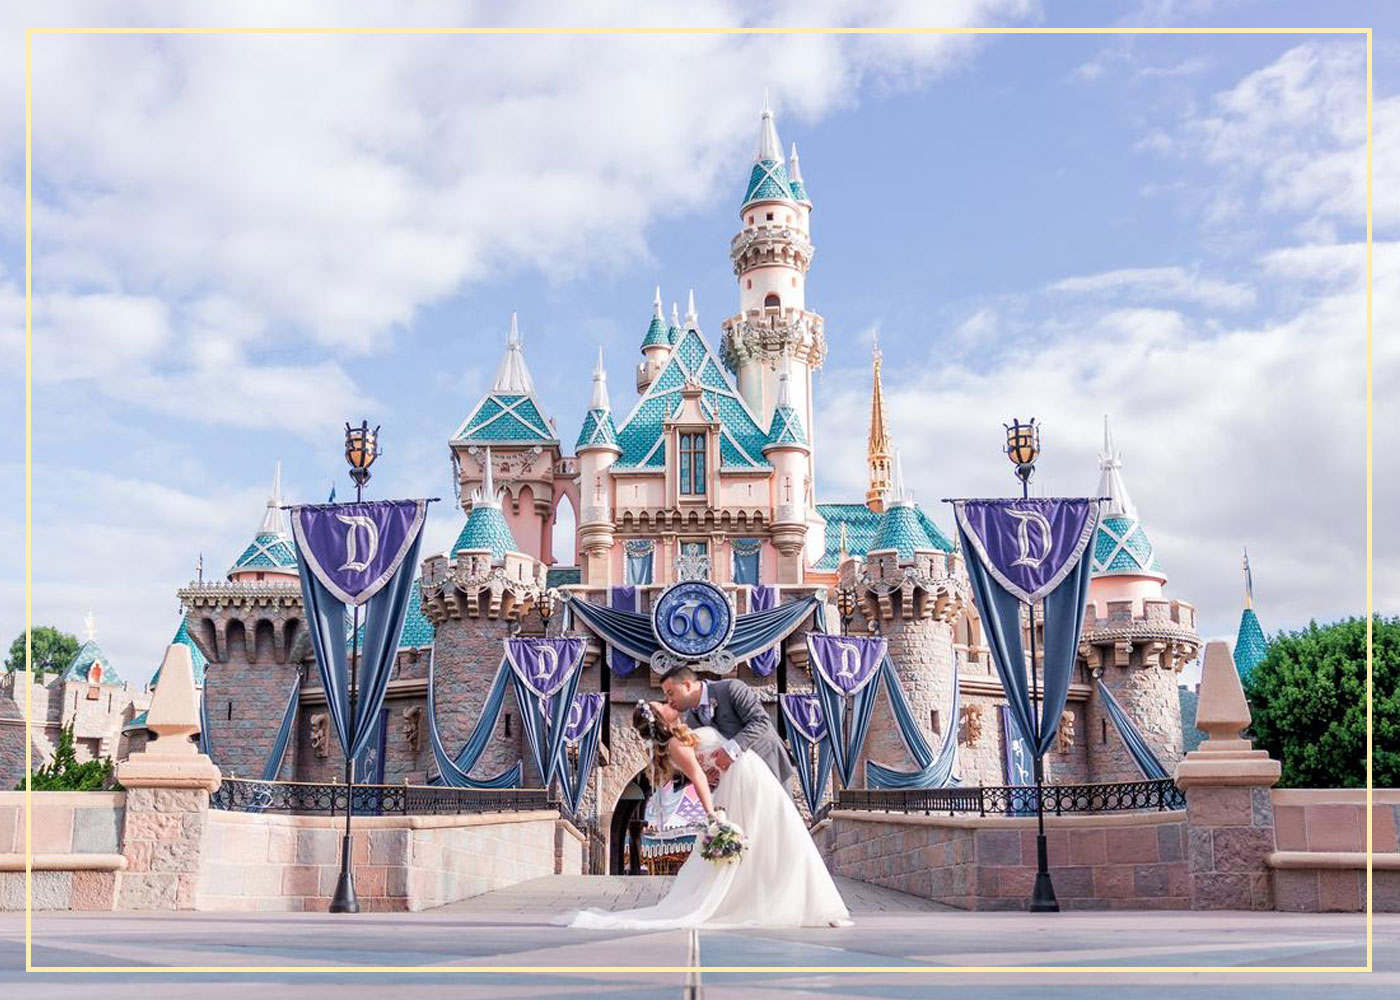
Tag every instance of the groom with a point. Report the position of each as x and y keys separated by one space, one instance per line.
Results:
x=733 y=708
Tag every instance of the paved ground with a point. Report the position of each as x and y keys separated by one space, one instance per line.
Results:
x=919 y=940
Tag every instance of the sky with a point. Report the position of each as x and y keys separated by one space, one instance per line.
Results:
x=243 y=241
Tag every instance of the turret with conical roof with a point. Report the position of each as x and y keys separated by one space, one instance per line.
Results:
x=512 y=422
x=1250 y=644
x=799 y=189
x=270 y=554
x=486 y=527
x=656 y=345
x=1135 y=639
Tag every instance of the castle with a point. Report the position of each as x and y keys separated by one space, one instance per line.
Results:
x=710 y=473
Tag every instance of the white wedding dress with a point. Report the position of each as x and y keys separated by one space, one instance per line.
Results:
x=780 y=881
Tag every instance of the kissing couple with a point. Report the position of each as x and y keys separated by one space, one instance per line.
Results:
x=717 y=735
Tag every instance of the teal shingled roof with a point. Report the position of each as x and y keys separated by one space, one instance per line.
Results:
x=197 y=659
x=656 y=334
x=640 y=435
x=1121 y=548
x=673 y=335
x=562 y=576
x=506 y=417
x=768 y=180
x=799 y=191
x=863 y=528
x=786 y=427
x=267 y=551
x=902 y=529
x=1250 y=644
x=137 y=722
x=81 y=664
x=417 y=631
x=598 y=429
x=486 y=528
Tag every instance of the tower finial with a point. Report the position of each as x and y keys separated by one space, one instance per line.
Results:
x=843 y=542
x=512 y=376
x=273 y=520
x=900 y=494
x=600 y=384
x=1248 y=581
x=877 y=451
x=90 y=626
x=485 y=495
x=692 y=318
x=794 y=168
x=1111 y=483
x=657 y=303
x=783 y=376
x=769 y=148
x=675 y=315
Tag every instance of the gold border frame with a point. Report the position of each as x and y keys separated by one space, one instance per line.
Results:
x=479 y=969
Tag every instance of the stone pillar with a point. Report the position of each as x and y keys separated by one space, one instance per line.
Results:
x=1229 y=810
x=167 y=797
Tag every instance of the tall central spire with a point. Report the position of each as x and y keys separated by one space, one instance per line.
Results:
x=512 y=376
x=878 y=446
x=1111 y=483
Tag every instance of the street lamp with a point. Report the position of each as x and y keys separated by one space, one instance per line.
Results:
x=1023 y=448
x=361 y=449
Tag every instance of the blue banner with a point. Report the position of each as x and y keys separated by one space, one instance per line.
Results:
x=546 y=676
x=809 y=738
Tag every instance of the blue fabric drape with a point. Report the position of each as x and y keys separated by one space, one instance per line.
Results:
x=206 y=735
x=1001 y=618
x=845 y=748
x=383 y=618
x=813 y=776
x=754 y=633
x=746 y=553
x=573 y=781
x=622 y=599
x=638 y=557
x=765 y=598
x=284 y=733
x=456 y=772
x=1152 y=769
x=545 y=734
x=932 y=770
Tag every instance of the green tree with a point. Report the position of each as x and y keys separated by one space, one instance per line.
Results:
x=65 y=774
x=1308 y=701
x=53 y=650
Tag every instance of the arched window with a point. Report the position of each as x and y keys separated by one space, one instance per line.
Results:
x=771 y=301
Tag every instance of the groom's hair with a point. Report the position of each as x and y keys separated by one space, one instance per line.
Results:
x=681 y=673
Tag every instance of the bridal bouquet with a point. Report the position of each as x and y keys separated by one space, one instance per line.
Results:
x=722 y=842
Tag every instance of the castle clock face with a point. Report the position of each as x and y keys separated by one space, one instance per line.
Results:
x=692 y=619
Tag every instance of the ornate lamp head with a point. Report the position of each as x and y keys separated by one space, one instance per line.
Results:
x=1023 y=446
x=361 y=449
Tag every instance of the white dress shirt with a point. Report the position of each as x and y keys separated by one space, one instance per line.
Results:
x=730 y=746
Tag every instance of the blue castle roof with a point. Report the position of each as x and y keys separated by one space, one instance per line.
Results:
x=486 y=528
x=863 y=528
x=598 y=429
x=1250 y=644
x=197 y=659
x=417 y=631
x=510 y=413
x=267 y=550
x=88 y=656
x=786 y=428
x=1121 y=545
x=640 y=435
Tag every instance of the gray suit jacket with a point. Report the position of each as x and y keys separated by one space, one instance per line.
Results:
x=739 y=715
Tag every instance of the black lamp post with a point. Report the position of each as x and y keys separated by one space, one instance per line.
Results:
x=1023 y=448
x=361 y=449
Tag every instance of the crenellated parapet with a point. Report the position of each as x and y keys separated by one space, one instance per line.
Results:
x=246 y=621
x=478 y=584
x=769 y=335
x=1153 y=634
x=925 y=586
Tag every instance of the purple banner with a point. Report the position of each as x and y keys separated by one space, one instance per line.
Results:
x=585 y=710
x=354 y=549
x=1029 y=546
x=804 y=713
x=543 y=665
x=846 y=663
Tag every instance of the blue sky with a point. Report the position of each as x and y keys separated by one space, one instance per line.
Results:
x=242 y=242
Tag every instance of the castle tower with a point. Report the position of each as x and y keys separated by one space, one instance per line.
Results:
x=909 y=587
x=656 y=345
x=597 y=450
x=877 y=448
x=1250 y=644
x=473 y=596
x=252 y=632
x=1135 y=638
x=511 y=421
x=771 y=255
x=788 y=451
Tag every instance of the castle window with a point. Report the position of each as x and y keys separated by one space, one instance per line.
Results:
x=771 y=301
x=692 y=464
x=751 y=220
x=748 y=283
x=770 y=216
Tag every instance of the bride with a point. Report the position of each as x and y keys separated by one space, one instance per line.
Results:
x=779 y=881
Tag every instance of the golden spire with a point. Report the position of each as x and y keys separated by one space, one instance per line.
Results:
x=877 y=451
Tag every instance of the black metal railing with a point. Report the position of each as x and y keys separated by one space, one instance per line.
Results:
x=1018 y=800
x=329 y=799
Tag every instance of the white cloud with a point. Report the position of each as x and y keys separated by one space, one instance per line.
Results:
x=1162 y=283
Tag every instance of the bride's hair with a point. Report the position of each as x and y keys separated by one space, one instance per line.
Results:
x=660 y=733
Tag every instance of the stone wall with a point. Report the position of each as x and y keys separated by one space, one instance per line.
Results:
x=246 y=701
x=1320 y=861
x=76 y=849
x=468 y=653
x=269 y=862
x=1149 y=695
x=1124 y=861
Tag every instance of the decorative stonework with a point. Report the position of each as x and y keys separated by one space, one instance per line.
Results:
x=969 y=725
x=769 y=338
x=474 y=585
x=321 y=735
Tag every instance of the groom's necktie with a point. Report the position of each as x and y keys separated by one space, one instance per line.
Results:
x=705 y=711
